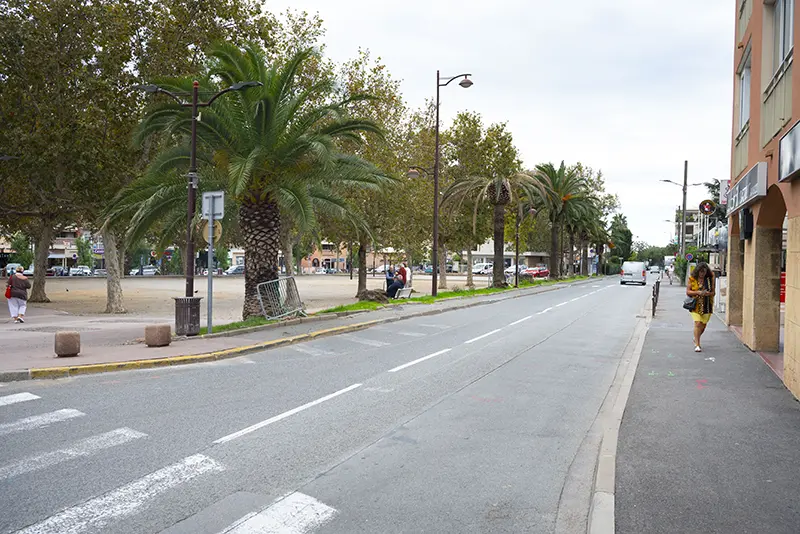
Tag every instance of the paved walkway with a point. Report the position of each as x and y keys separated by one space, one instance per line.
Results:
x=108 y=339
x=709 y=442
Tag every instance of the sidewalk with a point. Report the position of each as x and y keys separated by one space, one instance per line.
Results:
x=710 y=442
x=30 y=346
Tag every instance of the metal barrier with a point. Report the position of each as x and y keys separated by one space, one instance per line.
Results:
x=279 y=298
x=656 y=290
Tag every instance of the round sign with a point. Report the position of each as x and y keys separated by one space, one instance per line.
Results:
x=74 y=256
x=217 y=230
x=153 y=253
x=689 y=256
x=707 y=207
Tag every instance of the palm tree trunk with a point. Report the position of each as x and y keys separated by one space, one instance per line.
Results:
x=288 y=253
x=362 y=267
x=584 y=257
x=114 y=303
x=499 y=224
x=470 y=282
x=571 y=254
x=44 y=238
x=555 y=262
x=260 y=223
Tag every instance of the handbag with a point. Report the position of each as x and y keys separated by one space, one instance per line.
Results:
x=8 y=289
x=689 y=303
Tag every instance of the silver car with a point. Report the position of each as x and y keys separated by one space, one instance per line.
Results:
x=633 y=272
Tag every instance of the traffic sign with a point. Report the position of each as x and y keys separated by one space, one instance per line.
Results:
x=217 y=230
x=689 y=256
x=153 y=253
x=74 y=256
x=217 y=199
x=707 y=207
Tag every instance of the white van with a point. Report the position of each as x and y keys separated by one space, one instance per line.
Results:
x=482 y=268
x=633 y=272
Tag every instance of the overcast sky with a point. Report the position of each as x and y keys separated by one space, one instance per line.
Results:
x=632 y=87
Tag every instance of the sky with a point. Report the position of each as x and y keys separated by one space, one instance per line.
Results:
x=630 y=87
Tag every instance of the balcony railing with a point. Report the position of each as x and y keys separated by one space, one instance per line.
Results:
x=777 y=109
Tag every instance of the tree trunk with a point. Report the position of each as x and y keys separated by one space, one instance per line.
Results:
x=555 y=263
x=571 y=254
x=113 y=273
x=584 y=257
x=362 y=267
x=260 y=223
x=499 y=223
x=442 y=267
x=121 y=249
x=288 y=254
x=470 y=282
x=43 y=239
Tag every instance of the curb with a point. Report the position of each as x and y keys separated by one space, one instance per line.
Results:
x=602 y=518
x=76 y=370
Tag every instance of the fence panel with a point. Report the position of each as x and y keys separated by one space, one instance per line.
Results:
x=280 y=298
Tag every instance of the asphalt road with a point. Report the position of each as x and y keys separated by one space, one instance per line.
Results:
x=470 y=421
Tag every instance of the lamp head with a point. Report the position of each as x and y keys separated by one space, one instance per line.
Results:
x=412 y=173
x=146 y=88
x=244 y=85
x=466 y=83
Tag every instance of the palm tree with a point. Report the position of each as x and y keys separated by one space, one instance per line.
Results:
x=498 y=192
x=563 y=189
x=274 y=149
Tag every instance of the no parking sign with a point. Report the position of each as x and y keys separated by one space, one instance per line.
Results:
x=689 y=256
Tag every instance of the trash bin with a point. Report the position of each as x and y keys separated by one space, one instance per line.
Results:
x=187 y=315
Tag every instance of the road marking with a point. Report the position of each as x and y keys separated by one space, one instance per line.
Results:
x=17 y=397
x=295 y=514
x=544 y=311
x=411 y=334
x=562 y=304
x=474 y=339
x=418 y=360
x=438 y=326
x=96 y=513
x=521 y=320
x=365 y=341
x=36 y=421
x=576 y=298
x=284 y=415
x=84 y=447
x=313 y=351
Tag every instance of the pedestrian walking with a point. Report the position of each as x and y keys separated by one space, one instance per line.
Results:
x=17 y=290
x=701 y=289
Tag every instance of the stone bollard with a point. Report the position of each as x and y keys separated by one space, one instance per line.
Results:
x=157 y=335
x=68 y=343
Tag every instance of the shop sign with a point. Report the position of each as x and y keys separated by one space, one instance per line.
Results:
x=750 y=188
x=789 y=155
x=723 y=192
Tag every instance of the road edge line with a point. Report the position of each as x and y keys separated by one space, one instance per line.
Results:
x=602 y=514
x=169 y=361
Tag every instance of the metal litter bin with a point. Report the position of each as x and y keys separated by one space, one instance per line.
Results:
x=187 y=316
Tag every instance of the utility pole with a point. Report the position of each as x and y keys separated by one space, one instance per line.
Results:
x=683 y=212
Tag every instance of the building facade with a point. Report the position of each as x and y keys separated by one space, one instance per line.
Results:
x=764 y=194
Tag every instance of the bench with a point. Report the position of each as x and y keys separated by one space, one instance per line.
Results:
x=403 y=293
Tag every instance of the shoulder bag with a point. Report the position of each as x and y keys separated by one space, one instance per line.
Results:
x=8 y=289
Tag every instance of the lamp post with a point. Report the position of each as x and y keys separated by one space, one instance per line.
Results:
x=683 y=212
x=192 y=174
x=520 y=217
x=441 y=81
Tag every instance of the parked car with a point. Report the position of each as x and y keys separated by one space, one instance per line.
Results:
x=321 y=270
x=80 y=270
x=147 y=270
x=28 y=271
x=633 y=272
x=57 y=270
x=11 y=268
x=482 y=268
x=234 y=269
x=540 y=271
x=511 y=268
x=100 y=272
x=331 y=271
x=655 y=269
x=428 y=269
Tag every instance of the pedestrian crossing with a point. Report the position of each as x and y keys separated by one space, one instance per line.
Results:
x=108 y=509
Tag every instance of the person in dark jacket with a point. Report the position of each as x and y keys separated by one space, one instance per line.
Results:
x=396 y=286
x=18 y=303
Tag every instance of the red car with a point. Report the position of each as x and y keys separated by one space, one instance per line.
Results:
x=540 y=271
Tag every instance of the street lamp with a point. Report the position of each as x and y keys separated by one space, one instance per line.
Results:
x=520 y=217
x=192 y=174
x=466 y=83
x=683 y=212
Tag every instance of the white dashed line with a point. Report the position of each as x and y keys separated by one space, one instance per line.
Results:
x=520 y=320
x=544 y=311
x=284 y=415
x=295 y=514
x=409 y=364
x=17 y=397
x=474 y=339
x=562 y=304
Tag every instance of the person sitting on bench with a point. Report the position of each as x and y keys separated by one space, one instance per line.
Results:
x=397 y=285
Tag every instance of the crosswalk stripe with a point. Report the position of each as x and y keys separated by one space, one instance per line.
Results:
x=438 y=326
x=17 y=397
x=297 y=513
x=365 y=341
x=84 y=447
x=37 y=421
x=410 y=334
x=96 y=513
x=312 y=351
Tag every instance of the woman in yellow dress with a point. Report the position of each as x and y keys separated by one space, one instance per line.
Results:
x=701 y=288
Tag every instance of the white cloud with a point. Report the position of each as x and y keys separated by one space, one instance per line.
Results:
x=632 y=87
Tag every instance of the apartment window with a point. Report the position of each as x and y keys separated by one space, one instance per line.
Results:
x=744 y=92
x=782 y=19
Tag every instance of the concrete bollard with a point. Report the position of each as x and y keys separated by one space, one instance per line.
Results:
x=68 y=343
x=157 y=335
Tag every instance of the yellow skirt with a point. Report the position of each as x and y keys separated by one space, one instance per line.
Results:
x=701 y=318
